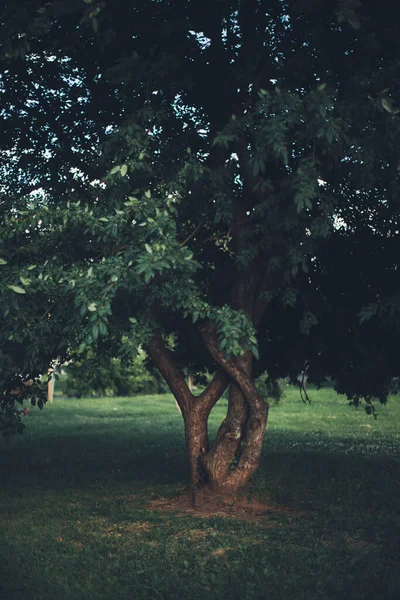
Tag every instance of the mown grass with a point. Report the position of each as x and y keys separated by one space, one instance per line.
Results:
x=76 y=523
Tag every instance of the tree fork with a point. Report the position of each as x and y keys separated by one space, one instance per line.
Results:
x=195 y=409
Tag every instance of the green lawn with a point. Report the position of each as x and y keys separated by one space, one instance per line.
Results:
x=76 y=523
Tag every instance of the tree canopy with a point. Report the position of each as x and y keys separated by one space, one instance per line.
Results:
x=216 y=182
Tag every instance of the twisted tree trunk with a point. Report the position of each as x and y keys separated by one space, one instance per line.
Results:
x=228 y=465
x=234 y=456
x=236 y=452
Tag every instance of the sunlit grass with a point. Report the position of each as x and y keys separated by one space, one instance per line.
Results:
x=76 y=523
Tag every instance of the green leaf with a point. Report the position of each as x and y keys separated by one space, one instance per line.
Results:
x=92 y=307
x=387 y=104
x=17 y=289
x=115 y=169
x=104 y=219
x=132 y=320
x=90 y=271
x=31 y=267
x=148 y=248
x=124 y=170
x=148 y=194
x=24 y=281
x=2 y=261
x=308 y=203
x=102 y=328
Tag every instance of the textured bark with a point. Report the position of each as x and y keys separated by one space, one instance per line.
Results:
x=235 y=454
x=164 y=362
x=196 y=428
x=195 y=409
x=221 y=459
x=251 y=425
x=196 y=433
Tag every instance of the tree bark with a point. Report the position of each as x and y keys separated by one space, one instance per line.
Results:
x=234 y=456
x=221 y=459
x=229 y=464
x=196 y=434
x=195 y=409
x=230 y=468
x=164 y=362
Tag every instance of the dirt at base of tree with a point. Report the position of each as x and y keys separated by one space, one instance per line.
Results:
x=207 y=504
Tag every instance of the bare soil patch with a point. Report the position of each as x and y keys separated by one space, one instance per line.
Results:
x=209 y=505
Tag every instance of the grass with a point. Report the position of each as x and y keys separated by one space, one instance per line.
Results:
x=75 y=521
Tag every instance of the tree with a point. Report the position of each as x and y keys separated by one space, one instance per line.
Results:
x=199 y=178
x=83 y=378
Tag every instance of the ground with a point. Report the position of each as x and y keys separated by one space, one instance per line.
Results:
x=244 y=507
x=92 y=506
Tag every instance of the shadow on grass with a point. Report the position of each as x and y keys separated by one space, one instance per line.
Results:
x=76 y=522
x=73 y=460
x=328 y=477
x=302 y=477
x=92 y=538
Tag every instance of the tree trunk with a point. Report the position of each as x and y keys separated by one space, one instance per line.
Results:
x=235 y=454
x=221 y=460
x=196 y=434
x=195 y=409
x=233 y=458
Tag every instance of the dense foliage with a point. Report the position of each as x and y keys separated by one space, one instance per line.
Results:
x=220 y=178
x=83 y=379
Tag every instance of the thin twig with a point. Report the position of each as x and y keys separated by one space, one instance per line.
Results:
x=189 y=237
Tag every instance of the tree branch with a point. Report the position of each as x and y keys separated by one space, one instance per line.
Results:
x=213 y=392
x=164 y=362
x=189 y=237
x=233 y=370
